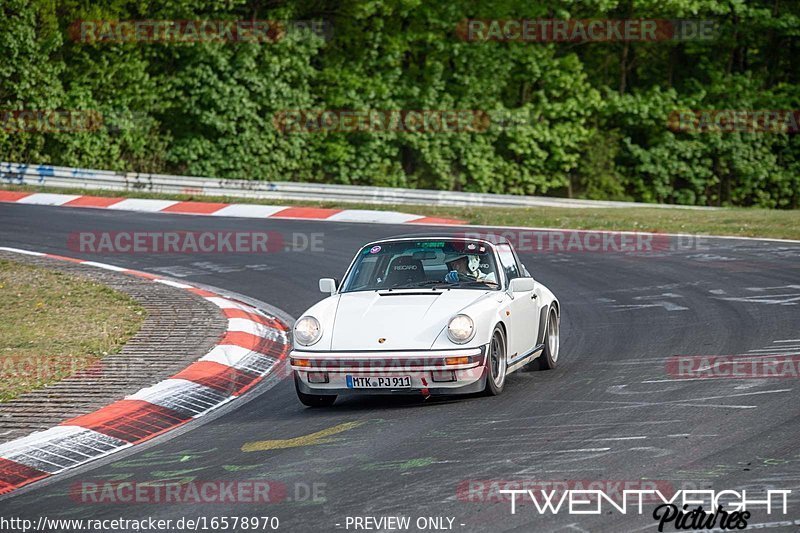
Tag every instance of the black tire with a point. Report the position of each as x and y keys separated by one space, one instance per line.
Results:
x=549 y=358
x=496 y=363
x=314 y=400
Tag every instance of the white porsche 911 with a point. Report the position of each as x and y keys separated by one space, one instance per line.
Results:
x=425 y=315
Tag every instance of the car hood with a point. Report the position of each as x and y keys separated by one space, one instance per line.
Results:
x=407 y=320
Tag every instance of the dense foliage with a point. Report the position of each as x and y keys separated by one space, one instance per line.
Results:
x=580 y=119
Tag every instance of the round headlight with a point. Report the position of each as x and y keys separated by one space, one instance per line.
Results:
x=460 y=329
x=307 y=331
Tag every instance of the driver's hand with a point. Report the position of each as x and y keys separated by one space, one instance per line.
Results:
x=451 y=277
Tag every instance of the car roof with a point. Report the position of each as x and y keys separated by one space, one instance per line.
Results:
x=465 y=236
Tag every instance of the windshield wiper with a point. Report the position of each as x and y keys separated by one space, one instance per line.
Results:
x=480 y=281
x=424 y=283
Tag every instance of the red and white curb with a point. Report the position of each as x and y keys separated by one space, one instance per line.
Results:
x=222 y=209
x=249 y=350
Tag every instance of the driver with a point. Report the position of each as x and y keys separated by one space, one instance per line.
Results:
x=469 y=266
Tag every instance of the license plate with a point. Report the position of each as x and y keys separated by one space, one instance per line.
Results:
x=374 y=382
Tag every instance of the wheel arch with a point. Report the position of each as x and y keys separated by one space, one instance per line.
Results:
x=504 y=328
x=545 y=311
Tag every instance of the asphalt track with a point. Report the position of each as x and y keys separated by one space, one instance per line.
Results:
x=609 y=412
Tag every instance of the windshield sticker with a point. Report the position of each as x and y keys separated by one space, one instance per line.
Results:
x=375 y=249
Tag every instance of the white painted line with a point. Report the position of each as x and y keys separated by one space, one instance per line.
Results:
x=582 y=450
x=105 y=266
x=224 y=303
x=673 y=380
x=46 y=198
x=780 y=350
x=240 y=358
x=716 y=406
x=758 y=393
x=34 y=440
x=38 y=462
x=641 y=437
x=18 y=251
x=759 y=289
x=38 y=449
x=227 y=354
x=788 y=340
x=366 y=215
x=248 y=210
x=143 y=205
x=641 y=362
x=174 y=284
x=166 y=385
x=677 y=435
x=184 y=396
x=246 y=325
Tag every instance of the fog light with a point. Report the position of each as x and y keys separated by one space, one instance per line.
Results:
x=443 y=375
x=317 y=377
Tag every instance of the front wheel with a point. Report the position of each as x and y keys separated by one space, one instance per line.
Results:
x=549 y=358
x=313 y=400
x=496 y=363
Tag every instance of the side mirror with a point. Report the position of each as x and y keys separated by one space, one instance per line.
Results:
x=522 y=285
x=327 y=285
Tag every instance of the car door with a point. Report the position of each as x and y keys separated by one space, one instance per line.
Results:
x=524 y=307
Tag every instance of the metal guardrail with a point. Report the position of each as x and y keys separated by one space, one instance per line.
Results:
x=65 y=177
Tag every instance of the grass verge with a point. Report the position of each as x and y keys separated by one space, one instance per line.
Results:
x=53 y=324
x=739 y=222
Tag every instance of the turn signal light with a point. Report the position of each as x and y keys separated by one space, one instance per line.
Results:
x=456 y=360
x=301 y=362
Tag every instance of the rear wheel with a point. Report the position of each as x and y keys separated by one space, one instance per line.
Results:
x=496 y=363
x=552 y=342
x=313 y=400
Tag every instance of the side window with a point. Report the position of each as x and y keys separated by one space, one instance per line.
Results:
x=363 y=274
x=509 y=262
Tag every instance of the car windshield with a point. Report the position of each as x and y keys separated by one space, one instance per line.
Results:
x=423 y=264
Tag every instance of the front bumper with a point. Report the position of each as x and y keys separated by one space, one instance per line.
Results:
x=430 y=372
